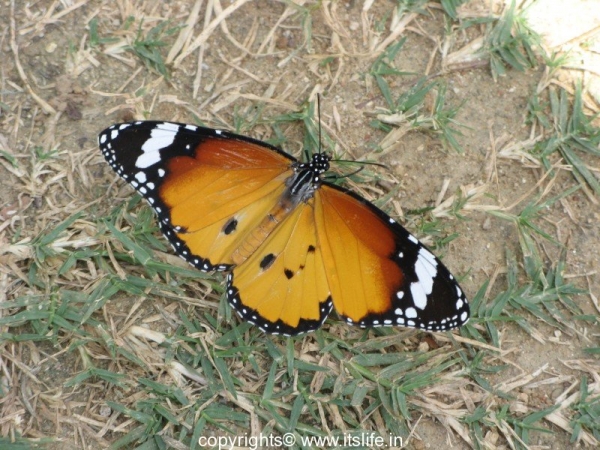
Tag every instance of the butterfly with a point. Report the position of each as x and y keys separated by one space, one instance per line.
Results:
x=294 y=245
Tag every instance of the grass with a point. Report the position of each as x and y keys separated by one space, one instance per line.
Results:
x=307 y=117
x=94 y=36
x=570 y=134
x=107 y=336
x=510 y=42
x=450 y=7
x=292 y=409
x=586 y=412
x=409 y=106
x=147 y=46
x=544 y=288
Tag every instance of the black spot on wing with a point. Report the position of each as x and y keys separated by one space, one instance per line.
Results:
x=267 y=261
x=288 y=274
x=230 y=226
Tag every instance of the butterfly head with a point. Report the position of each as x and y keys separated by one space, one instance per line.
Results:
x=318 y=165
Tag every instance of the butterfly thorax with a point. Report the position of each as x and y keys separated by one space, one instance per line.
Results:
x=300 y=188
x=307 y=178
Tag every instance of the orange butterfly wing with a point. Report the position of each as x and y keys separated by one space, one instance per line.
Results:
x=379 y=274
x=209 y=188
x=283 y=287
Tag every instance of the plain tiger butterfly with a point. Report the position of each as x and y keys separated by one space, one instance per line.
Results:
x=295 y=246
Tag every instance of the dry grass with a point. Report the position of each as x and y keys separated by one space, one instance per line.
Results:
x=108 y=339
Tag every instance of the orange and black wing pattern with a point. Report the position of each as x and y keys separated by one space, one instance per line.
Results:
x=294 y=246
x=379 y=273
x=208 y=187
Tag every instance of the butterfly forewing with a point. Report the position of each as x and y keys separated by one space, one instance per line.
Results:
x=378 y=272
x=208 y=187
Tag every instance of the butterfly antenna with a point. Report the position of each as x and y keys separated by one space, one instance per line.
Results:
x=335 y=176
x=365 y=163
x=319 y=118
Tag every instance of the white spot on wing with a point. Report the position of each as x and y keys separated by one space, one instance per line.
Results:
x=419 y=296
x=160 y=137
x=428 y=256
x=426 y=270
x=411 y=313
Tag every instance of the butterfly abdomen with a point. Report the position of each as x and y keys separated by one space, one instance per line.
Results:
x=261 y=232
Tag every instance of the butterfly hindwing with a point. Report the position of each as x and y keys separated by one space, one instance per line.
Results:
x=282 y=287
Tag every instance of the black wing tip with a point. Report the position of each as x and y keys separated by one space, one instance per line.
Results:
x=445 y=309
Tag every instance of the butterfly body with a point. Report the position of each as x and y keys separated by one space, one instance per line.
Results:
x=300 y=187
x=295 y=245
